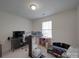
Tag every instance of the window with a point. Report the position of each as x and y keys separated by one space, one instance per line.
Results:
x=47 y=29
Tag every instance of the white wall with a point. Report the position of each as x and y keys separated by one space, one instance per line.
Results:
x=9 y=23
x=64 y=26
x=78 y=24
x=37 y=24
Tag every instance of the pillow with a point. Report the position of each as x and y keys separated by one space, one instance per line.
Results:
x=58 y=51
x=59 y=48
x=56 y=55
x=66 y=46
x=62 y=45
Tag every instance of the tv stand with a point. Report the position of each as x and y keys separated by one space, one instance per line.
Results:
x=17 y=43
x=17 y=40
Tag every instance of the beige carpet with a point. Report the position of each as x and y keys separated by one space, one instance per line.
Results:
x=23 y=53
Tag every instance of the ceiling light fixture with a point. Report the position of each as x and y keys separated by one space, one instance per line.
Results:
x=33 y=7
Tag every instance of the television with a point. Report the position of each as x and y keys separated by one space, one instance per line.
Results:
x=17 y=34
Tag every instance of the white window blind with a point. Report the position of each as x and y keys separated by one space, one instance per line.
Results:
x=47 y=29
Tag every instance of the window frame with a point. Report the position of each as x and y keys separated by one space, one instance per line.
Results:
x=48 y=29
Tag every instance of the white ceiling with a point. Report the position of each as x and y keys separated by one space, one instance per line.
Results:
x=46 y=7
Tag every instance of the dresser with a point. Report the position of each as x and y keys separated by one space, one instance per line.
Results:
x=0 y=50
x=17 y=43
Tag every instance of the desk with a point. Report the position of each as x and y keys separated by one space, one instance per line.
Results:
x=45 y=42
